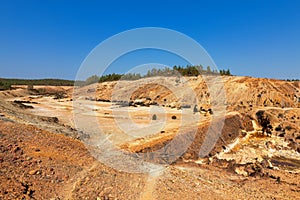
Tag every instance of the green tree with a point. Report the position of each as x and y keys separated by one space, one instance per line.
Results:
x=92 y=79
x=227 y=72
x=208 y=69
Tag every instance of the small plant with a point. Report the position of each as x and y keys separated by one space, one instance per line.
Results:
x=278 y=128
x=29 y=87
x=154 y=117
x=288 y=128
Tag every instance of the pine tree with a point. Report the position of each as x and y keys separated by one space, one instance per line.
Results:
x=227 y=72
x=208 y=69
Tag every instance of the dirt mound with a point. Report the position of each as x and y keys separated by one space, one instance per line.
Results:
x=21 y=104
x=243 y=94
x=36 y=164
x=23 y=91
x=280 y=122
x=160 y=150
x=237 y=161
x=247 y=92
x=233 y=126
x=12 y=112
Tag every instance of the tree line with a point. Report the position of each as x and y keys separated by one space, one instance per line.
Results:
x=6 y=84
x=175 y=71
x=292 y=80
x=188 y=70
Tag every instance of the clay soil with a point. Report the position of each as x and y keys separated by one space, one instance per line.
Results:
x=44 y=155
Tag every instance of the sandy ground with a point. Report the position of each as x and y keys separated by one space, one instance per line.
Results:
x=41 y=165
x=42 y=157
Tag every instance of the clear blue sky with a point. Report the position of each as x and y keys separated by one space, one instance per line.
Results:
x=51 y=38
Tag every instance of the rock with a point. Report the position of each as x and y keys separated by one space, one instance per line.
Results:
x=32 y=172
x=281 y=134
x=28 y=158
x=21 y=104
x=154 y=117
x=185 y=106
x=247 y=123
x=17 y=149
x=241 y=171
x=266 y=164
x=195 y=109
x=188 y=156
x=140 y=102
x=91 y=90
x=49 y=119
x=270 y=144
x=90 y=99
x=173 y=105
x=254 y=169
x=293 y=144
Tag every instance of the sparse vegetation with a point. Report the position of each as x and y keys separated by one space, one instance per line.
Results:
x=264 y=121
x=34 y=120
x=175 y=71
x=292 y=80
x=6 y=84
x=154 y=117
x=288 y=128
x=225 y=72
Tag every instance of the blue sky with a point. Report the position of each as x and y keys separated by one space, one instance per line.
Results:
x=51 y=38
